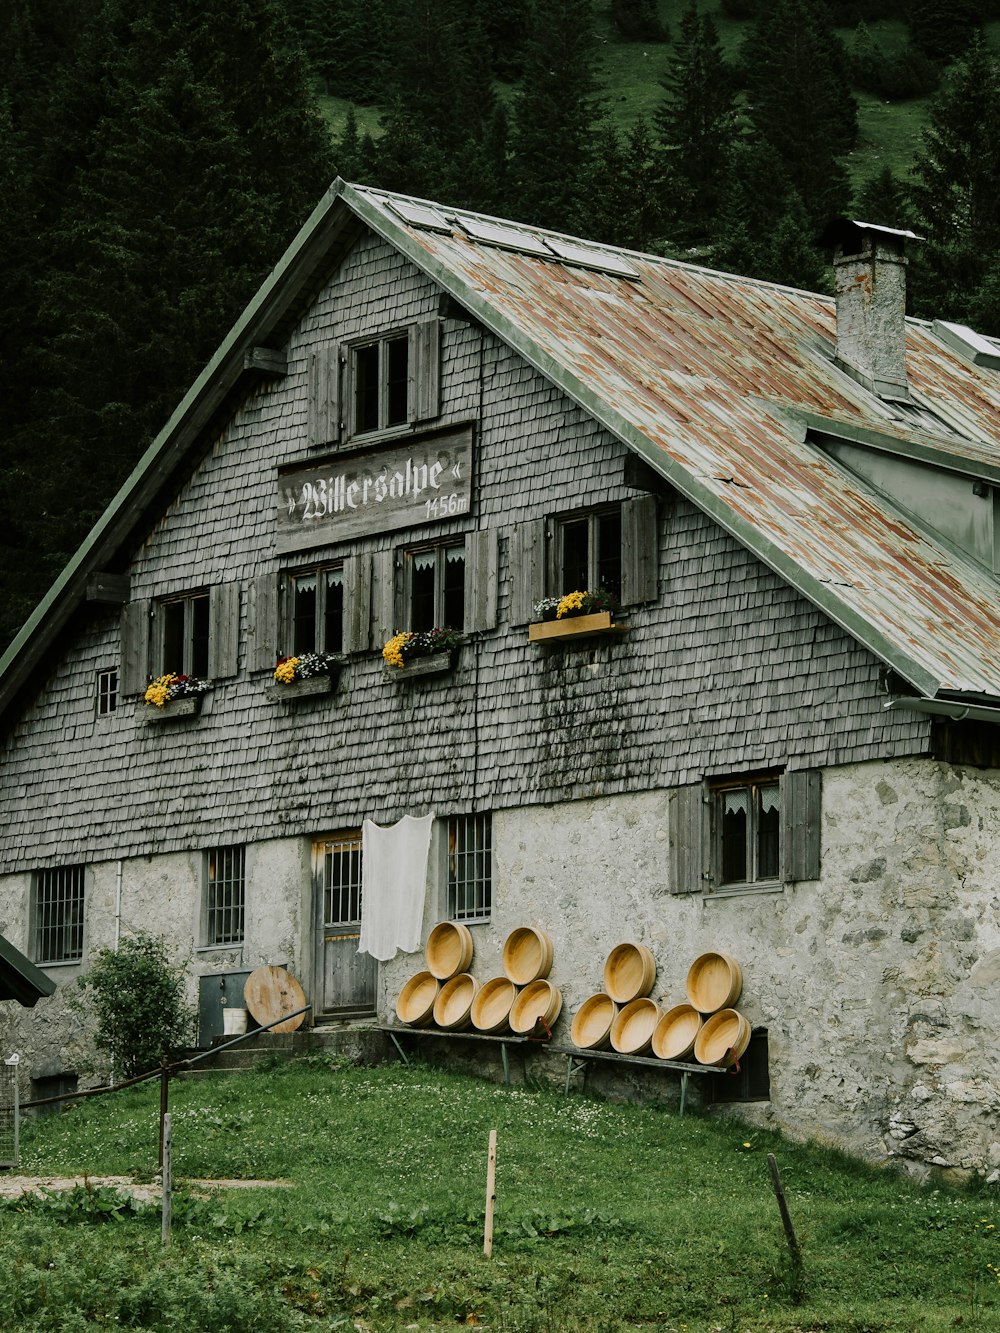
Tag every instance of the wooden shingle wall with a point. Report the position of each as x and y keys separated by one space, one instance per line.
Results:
x=730 y=671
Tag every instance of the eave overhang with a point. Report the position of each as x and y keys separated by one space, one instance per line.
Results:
x=20 y=979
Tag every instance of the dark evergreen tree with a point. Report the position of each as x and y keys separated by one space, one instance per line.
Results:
x=883 y=200
x=638 y=20
x=799 y=100
x=956 y=194
x=943 y=29
x=626 y=209
x=441 y=125
x=551 y=137
x=346 y=43
x=763 y=228
x=695 y=126
x=186 y=153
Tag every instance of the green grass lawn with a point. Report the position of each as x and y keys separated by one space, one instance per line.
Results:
x=609 y=1217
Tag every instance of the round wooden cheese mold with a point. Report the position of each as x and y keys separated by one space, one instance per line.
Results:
x=271 y=992
x=591 y=1026
x=539 y=1000
x=453 y=1006
x=714 y=981
x=723 y=1039
x=632 y=1031
x=629 y=972
x=415 y=1002
x=675 y=1033
x=491 y=1007
x=527 y=955
x=448 y=950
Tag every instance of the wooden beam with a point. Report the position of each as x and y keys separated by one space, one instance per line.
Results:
x=265 y=361
x=108 y=589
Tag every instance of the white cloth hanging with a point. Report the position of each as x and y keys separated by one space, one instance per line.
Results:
x=393 y=885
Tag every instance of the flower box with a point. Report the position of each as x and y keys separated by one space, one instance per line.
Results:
x=300 y=689
x=574 y=627
x=173 y=709
x=435 y=664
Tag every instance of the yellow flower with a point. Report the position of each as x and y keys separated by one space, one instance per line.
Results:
x=285 y=671
x=573 y=601
x=159 y=691
x=393 y=650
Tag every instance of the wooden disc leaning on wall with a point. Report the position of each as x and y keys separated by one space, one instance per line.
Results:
x=591 y=1026
x=675 y=1033
x=448 y=950
x=629 y=972
x=491 y=1007
x=415 y=1002
x=527 y=955
x=714 y=981
x=453 y=1006
x=723 y=1039
x=538 y=1004
x=270 y=992
x=632 y=1031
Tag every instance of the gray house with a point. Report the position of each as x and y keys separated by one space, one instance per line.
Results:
x=784 y=746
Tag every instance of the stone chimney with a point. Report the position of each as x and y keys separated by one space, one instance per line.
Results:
x=870 y=271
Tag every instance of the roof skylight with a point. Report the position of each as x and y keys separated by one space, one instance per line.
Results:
x=508 y=238
x=420 y=215
x=601 y=260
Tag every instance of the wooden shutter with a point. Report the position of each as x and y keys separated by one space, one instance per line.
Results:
x=135 y=647
x=687 y=828
x=323 y=415
x=223 y=630
x=384 y=622
x=357 y=604
x=264 y=623
x=527 y=570
x=640 y=550
x=481 y=569
x=425 y=362
x=801 y=824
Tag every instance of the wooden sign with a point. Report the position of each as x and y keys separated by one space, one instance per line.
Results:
x=420 y=480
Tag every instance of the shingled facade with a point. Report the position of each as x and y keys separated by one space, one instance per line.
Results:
x=427 y=415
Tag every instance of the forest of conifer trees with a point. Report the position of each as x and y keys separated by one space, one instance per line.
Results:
x=157 y=159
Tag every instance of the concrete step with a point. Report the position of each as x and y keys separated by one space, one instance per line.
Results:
x=357 y=1039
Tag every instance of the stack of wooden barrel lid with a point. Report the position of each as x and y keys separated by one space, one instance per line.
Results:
x=623 y=1016
x=446 y=994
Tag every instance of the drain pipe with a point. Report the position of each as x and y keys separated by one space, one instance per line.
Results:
x=118 y=903
x=952 y=709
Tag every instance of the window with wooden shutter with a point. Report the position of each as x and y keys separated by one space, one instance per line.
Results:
x=687 y=838
x=640 y=551
x=264 y=624
x=394 y=379
x=135 y=631
x=481 y=577
x=223 y=631
x=612 y=549
x=802 y=799
x=527 y=570
x=323 y=406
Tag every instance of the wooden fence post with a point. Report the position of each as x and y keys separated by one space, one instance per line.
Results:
x=491 y=1194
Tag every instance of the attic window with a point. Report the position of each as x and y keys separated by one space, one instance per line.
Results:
x=508 y=238
x=973 y=346
x=586 y=257
x=420 y=215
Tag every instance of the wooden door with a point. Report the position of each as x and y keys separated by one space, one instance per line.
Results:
x=346 y=978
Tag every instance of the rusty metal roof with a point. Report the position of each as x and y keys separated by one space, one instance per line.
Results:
x=719 y=382
x=716 y=380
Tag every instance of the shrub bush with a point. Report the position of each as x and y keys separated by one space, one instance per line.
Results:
x=137 y=998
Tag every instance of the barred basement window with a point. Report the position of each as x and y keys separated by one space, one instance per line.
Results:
x=340 y=875
x=58 y=913
x=225 y=895
x=470 y=867
x=107 y=691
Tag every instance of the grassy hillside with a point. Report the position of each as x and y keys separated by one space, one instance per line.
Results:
x=608 y=1218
